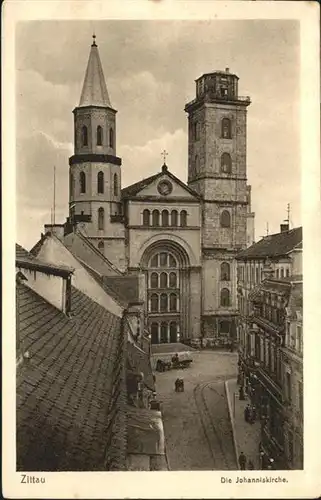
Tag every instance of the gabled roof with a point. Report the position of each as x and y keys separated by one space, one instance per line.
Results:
x=103 y=281
x=71 y=243
x=94 y=91
x=21 y=252
x=26 y=260
x=134 y=189
x=64 y=388
x=274 y=245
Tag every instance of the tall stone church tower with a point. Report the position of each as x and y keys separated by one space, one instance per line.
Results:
x=95 y=170
x=217 y=171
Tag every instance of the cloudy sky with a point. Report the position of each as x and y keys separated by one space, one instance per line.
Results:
x=150 y=68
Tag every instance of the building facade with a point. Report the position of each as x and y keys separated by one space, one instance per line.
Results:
x=270 y=303
x=182 y=237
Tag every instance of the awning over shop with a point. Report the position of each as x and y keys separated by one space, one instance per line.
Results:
x=145 y=432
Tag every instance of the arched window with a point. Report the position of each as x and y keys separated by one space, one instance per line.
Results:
x=183 y=218
x=197 y=164
x=287 y=272
x=154 y=261
x=225 y=297
x=173 y=331
x=84 y=136
x=154 y=280
x=163 y=280
x=226 y=163
x=172 y=261
x=163 y=259
x=174 y=218
x=282 y=273
x=164 y=328
x=165 y=218
x=154 y=333
x=225 y=219
x=100 y=182
x=154 y=303
x=163 y=302
x=195 y=131
x=111 y=138
x=99 y=136
x=146 y=217
x=155 y=218
x=101 y=246
x=115 y=185
x=172 y=280
x=173 y=302
x=101 y=219
x=225 y=271
x=82 y=179
x=71 y=186
x=226 y=128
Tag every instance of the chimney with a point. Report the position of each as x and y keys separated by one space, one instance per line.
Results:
x=227 y=70
x=284 y=228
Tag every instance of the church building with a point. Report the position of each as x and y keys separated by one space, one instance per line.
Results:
x=181 y=239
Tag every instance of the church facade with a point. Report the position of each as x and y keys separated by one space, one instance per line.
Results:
x=183 y=238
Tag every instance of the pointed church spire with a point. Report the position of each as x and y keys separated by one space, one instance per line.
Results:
x=94 y=91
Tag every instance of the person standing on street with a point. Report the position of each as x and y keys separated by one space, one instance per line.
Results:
x=242 y=461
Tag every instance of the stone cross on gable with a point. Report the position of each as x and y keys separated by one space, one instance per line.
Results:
x=164 y=154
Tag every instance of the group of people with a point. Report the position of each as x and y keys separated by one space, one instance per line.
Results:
x=179 y=385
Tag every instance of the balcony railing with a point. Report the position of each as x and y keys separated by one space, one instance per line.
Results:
x=207 y=97
x=117 y=218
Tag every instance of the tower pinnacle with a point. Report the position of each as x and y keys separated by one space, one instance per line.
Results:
x=94 y=91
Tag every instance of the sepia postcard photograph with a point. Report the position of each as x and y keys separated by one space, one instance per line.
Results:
x=161 y=187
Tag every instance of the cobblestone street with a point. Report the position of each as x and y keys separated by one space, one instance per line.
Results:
x=197 y=427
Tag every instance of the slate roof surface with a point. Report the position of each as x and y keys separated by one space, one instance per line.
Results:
x=104 y=283
x=274 y=245
x=94 y=91
x=133 y=189
x=64 y=389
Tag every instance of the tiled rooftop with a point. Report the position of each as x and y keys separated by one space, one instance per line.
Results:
x=22 y=253
x=274 y=245
x=64 y=389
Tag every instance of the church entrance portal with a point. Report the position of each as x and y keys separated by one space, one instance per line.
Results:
x=166 y=267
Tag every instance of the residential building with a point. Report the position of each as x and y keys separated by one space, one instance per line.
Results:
x=292 y=368
x=267 y=290
x=79 y=347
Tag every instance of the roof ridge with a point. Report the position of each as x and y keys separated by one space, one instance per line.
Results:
x=84 y=238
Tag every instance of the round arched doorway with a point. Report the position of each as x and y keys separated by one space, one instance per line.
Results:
x=166 y=269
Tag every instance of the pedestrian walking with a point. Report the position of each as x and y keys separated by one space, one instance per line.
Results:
x=242 y=461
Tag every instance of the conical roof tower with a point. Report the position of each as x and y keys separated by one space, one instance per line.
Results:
x=95 y=173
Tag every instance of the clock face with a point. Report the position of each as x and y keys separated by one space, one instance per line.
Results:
x=164 y=188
